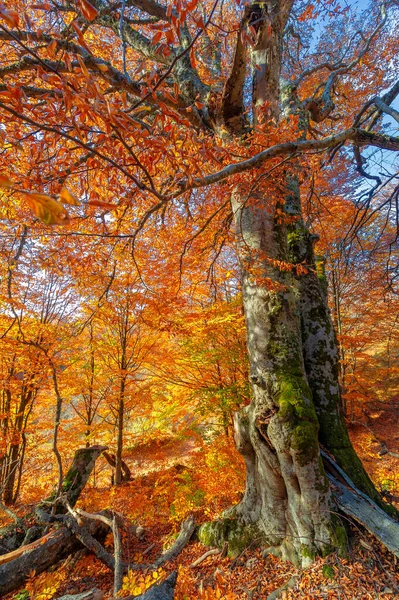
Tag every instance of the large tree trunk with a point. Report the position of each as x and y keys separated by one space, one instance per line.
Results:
x=296 y=396
x=320 y=348
x=287 y=504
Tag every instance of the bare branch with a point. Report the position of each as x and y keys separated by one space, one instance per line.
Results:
x=321 y=107
x=359 y=166
x=383 y=107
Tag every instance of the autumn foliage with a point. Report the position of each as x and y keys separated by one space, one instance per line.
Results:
x=121 y=319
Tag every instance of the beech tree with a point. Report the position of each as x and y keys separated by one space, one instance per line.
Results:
x=193 y=115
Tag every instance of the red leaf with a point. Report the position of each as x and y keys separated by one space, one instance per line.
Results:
x=156 y=38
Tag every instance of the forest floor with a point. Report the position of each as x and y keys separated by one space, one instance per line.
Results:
x=174 y=478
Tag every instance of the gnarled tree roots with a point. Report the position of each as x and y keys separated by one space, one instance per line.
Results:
x=287 y=506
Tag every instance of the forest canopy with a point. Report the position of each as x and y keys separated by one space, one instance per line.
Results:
x=199 y=282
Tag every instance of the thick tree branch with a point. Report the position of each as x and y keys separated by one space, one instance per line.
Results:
x=359 y=137
x=233 y=94
x=135 y=40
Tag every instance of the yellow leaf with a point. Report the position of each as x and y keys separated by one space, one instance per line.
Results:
x=68 y=198
x=136 y=591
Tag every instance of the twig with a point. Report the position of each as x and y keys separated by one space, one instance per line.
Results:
x=199 y=560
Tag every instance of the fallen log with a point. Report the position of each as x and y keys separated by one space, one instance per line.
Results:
x=185 y=534
x=80 y=529
x=12 y=536
x=16 y=534
x=357 y=505
x=42 y=554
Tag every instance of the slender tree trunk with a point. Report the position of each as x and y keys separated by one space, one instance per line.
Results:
x=119 y=443
x=11 y=473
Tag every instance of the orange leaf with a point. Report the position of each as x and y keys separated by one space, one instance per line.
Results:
x=199 y=21
x=88 y=10
x=83 y=67
x=102 y=204
x=10 y=16
x=6 y=182
x=80 y=36
x=47 y=209
x=102 y=67
x=51 y=48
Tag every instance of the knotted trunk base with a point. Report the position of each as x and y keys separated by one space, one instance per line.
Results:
x=287 y=507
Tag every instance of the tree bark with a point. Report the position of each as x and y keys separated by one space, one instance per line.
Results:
x=320 y=348
x=119 y=444
x=287 y=504
x=111 y=459
x=77 y=475
x=94 y=594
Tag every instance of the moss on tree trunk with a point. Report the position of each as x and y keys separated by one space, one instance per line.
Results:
x=320 y=349
x=287 y=505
